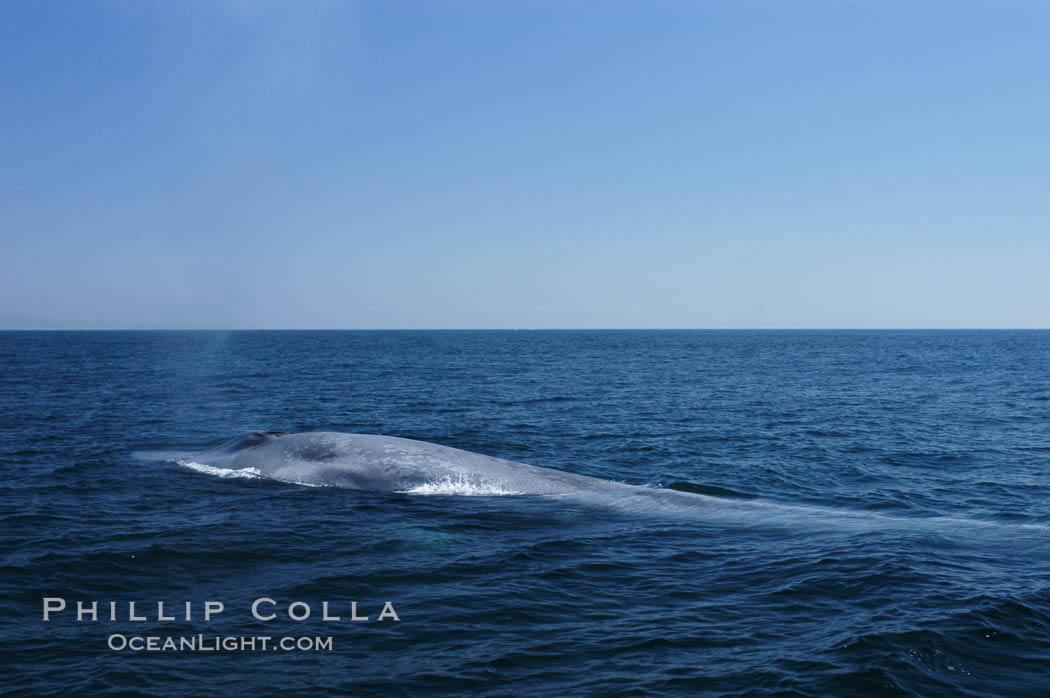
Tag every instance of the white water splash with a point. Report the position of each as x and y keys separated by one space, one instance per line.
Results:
x=220 y=472
x=461 y=487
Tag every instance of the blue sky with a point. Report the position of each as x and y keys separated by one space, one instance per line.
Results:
x=524 y=164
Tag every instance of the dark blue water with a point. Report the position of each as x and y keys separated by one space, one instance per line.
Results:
x=889 y=491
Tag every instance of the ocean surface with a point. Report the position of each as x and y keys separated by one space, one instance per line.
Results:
x=880 y=521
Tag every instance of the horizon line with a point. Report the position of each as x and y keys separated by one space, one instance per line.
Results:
x=525 y=329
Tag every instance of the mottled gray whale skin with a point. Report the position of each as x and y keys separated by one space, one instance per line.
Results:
x=390 y=464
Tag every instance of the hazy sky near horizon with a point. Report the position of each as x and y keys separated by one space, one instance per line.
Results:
x=524 y=164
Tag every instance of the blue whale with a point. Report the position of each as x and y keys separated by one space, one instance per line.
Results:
x=391 y=464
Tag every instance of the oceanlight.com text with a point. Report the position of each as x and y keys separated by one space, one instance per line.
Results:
x=217 y=643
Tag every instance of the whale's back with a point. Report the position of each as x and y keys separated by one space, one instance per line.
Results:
x=385 y=463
